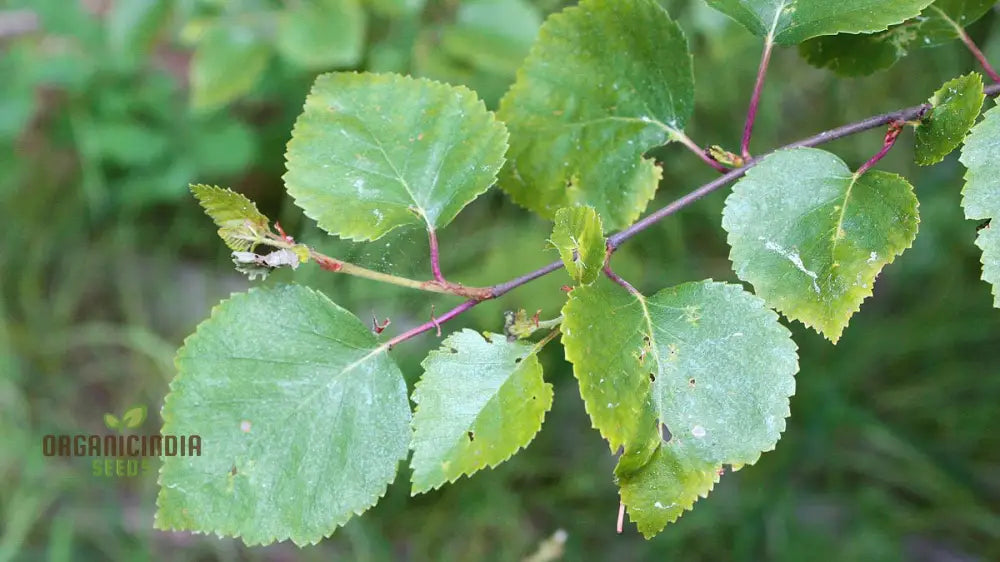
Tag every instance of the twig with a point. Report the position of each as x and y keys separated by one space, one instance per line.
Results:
x=435 y=323
x=616 y=240
x=339 y=266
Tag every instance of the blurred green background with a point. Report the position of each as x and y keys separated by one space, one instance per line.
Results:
x=109 y=108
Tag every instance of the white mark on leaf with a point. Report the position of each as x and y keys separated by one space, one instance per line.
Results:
x=796 y=260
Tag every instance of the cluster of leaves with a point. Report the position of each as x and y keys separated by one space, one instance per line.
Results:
x=304 y=415
x=80 y=83
x=475 y=42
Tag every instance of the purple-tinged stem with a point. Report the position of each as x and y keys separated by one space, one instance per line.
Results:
x=435 y=256
x=890 y=139
x=700 y=152
x=614 y=277
x=434 y=323
x=765 y=60
x=976 y=52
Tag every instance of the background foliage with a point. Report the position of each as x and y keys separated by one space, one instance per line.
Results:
x=108 y=110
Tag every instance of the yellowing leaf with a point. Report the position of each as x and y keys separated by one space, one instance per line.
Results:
x=811 y=236
x=481 y=398
x=605 y=82
x=578 y=236
x=241 y=225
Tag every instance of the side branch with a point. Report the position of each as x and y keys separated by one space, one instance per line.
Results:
x=332 y=264
x=616 y=240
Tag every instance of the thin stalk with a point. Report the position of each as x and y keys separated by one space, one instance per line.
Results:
x=614 y=277
x=976 y=52
x=699 y=151
x=973 y=48
x=890 y=139
x=435 y=256
x=765 y=60
x=339 y=266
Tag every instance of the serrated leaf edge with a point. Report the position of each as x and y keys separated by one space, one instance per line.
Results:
x=643 y=197
x=866 y=293
x=532 y=353
x=226 y=533
x=995 y=287
x=649 y=532
x=389 y=77
x=935 y=158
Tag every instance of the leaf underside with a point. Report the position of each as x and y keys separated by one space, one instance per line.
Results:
x=605 y=81
x=811 y=237
x=373 y=152
x=478 y=402
x=981 y=194
x=789 y=22
x=863 y=54
x=303 y=420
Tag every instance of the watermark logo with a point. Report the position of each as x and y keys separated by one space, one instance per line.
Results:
x=131 y=419
x=121 y=454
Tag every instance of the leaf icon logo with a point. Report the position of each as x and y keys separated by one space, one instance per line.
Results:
x=134 y=416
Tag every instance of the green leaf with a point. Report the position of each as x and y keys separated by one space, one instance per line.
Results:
x=981 y=194
x=303 y=420
x=860 y=55
x=665 y=488
x=241 y=225
x=681 y=358
x=579 y=237
x=112 y=422
x=788 y=22
x=480 y=400
x=605 y=82
x=811 y=236
x=954 y=109
x=322 y=34
x=372 y=152
x=227 y=63
x=608 y=356
x=134 y=416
